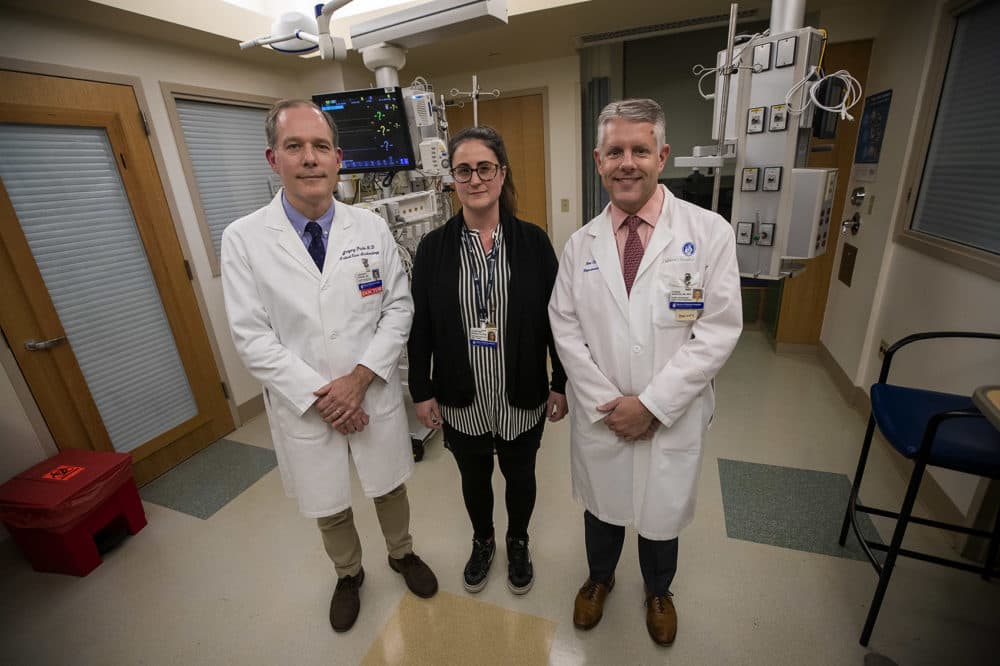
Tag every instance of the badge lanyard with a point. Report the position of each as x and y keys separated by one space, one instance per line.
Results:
x=491 y=261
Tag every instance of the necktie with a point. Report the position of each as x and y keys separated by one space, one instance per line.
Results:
x=632 y=256
x=316 y=249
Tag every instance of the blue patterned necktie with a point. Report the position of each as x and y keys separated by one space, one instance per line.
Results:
x=316 y=249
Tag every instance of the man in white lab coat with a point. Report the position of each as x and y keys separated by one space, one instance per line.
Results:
x=645 y=311
x=319 y=308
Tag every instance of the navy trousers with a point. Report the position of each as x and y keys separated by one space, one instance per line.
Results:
x=657 y=559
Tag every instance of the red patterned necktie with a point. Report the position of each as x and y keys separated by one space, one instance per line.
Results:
x=632 y=256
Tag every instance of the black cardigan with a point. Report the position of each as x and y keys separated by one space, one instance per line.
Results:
x=438 y=332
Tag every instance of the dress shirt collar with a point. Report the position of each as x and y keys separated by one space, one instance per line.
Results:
x=649 y=213
x=299 y=221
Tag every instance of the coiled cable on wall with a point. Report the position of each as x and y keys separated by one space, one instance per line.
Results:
x=814 y=79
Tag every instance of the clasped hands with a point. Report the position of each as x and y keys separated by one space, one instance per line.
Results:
x=339 y=402
x=628 y=418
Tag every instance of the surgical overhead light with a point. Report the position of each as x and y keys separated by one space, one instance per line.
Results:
x=303 y=30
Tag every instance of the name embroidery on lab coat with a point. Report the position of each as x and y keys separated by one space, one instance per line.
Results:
x=590 y=265
x=359 y=251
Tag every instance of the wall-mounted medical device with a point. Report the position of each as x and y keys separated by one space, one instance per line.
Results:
x=373 y=128
x=781 y=210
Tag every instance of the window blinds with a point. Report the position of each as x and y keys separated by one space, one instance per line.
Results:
x=959 y=197
x=226 y=145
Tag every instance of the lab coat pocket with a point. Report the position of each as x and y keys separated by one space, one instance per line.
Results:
x=686 y=432
x=383 y=398
x=309 y=426
x=672 y=279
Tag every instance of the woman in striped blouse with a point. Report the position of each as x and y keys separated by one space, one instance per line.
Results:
x=480 y=344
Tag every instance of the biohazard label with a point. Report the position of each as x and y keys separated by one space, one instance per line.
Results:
x=63 y=473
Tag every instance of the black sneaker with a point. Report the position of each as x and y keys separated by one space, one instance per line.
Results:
x=478 y=567
x=520 y=573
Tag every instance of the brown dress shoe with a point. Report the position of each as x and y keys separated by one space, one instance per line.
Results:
x=418 y=576
x=589 y=605
x=661 y=619
x=346 y=602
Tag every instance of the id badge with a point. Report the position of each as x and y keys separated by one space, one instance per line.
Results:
x=483 y=336
x=369 y=282
x=687 y=303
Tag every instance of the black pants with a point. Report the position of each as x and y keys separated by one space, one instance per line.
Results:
x=657 y=559
x=474 y=455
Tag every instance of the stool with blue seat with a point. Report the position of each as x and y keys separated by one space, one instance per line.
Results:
x=930 y=428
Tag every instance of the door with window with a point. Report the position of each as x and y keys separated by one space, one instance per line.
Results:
x=98 y=308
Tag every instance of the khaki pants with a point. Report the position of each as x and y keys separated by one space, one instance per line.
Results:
x=340 y=538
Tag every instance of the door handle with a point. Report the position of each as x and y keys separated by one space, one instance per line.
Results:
x=858 y=196
x=852 y=224
x=42 y=345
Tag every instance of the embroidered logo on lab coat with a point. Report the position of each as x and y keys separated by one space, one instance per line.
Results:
x=688 y=249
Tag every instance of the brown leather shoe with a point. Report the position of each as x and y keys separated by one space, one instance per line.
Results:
x=418 y=576
x=589 y=605
x=661 y=619
x=346 y=602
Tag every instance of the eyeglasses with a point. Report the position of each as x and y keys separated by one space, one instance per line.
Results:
x=486 y=170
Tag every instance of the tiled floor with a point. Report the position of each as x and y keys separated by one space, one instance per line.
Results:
x=251 y=584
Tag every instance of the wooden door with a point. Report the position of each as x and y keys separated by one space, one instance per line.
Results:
x=40 y=247
x=803 y=301
x=520 y=121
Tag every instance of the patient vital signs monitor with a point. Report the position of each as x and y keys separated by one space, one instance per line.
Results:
x=373 y=129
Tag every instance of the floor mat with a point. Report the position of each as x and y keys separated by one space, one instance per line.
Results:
x=210 y=479
x=789 y=507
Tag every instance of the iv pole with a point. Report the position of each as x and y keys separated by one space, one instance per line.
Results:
x=475 y=95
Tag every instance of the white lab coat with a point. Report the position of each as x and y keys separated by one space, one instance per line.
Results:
x=297 y=329
x=613 y=345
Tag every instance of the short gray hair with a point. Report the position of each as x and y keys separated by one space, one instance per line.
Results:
x=636 y=111
x=271 y=123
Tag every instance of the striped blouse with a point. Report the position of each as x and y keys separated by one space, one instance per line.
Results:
x=490 y=412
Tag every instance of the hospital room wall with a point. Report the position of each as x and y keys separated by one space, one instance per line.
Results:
x=44 y=42
x=896 y=290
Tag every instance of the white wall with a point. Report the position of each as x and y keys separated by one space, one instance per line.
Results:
x=22 y=445
x=896 y=290
x=899 y=62
x=38 y=39
x=561 y=78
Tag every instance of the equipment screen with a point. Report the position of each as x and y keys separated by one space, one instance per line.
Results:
x=373 y=129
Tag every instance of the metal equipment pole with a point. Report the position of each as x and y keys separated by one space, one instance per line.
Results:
x=724 y=107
